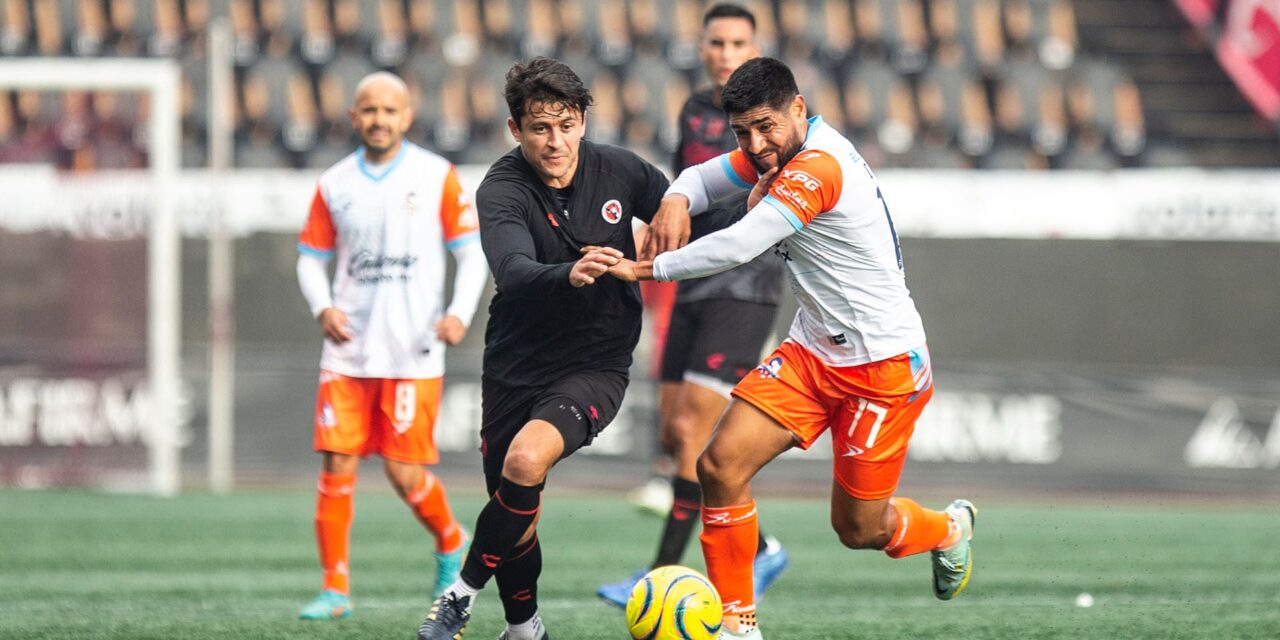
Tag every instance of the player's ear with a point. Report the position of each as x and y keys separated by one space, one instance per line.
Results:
x=514 y=127
x=798 y=109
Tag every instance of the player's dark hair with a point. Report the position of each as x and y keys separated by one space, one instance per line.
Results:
x=547 y=82
x=759 y=82
x=728 y=10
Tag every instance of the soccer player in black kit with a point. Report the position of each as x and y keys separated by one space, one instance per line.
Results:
x=555 y=214
x=719 y=323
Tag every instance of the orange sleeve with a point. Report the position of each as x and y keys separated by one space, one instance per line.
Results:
x=457 y=217
x=318 y=235
x=807 y=186
x=740 y=169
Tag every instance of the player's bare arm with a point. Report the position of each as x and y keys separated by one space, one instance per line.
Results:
x=632 y=271
x=333 y=322
x=669 y=229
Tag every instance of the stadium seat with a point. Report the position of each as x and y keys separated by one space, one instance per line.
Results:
x=649 y=32
x=244 y=29
x=500 y=18
x=316 y=42
x=541 y=29
x=355 y=24
x=796 y=38
x=978 y=31
x=838 y=34
x=953 y=103
x=49 y=28
x=390 y=44
x=1031 y=107
x=879 y=103
x=89 y=27
x=15 y=30
x=686 y=31
x=612 y=37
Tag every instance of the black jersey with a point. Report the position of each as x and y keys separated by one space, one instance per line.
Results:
x=705 y=134
x=541 y=327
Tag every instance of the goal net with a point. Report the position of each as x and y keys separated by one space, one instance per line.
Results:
x=90 y=375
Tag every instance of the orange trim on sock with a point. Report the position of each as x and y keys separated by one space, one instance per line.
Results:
x=919 y=529
x=334 y=511
x=430 y=505
x=729 y=539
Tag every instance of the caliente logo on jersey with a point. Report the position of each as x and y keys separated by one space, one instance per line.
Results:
x=612 y=211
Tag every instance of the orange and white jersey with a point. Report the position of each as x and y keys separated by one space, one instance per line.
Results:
x=388 y=226
x=840 y=249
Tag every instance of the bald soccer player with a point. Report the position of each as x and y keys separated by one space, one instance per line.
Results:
x=387 y=212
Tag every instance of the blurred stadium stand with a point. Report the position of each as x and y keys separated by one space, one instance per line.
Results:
x=1001 y=84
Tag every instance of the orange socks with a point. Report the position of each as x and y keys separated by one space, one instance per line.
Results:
x=429 y=504
x=729 y=538
x=919 y=529
x=334 y=510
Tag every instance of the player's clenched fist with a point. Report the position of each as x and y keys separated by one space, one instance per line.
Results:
x=334 y=324
x=594 y=263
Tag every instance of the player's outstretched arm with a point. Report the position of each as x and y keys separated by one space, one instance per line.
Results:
x=631 y=271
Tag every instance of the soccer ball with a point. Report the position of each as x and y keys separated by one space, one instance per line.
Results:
x=674 y=603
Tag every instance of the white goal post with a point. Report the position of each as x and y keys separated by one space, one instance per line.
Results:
x=159 y=78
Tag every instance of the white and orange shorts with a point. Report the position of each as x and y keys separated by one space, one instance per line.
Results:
x=394 y=418
x=870 y=408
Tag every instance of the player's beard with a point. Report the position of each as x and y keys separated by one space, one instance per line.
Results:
x=784 y=156
x=379 y=149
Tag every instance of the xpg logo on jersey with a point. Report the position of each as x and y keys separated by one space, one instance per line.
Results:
x=411 y=203
x=804 y=178
x=771 y=368
x=612 y=212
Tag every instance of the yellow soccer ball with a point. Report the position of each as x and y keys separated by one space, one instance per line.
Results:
x=674 y=603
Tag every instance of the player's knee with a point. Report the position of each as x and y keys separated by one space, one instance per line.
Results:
x=858 y=536
x=683 y=428
x=717 y=473
x=525 y=466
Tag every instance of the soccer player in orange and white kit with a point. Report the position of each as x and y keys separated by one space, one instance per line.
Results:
x=855 y=360
x=387 y=212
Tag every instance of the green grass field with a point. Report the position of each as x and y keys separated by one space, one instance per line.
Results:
x=83 y=565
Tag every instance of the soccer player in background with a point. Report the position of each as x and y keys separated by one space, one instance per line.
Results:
x=855 y=361
x=719 y=323
x=555 y=214
x=387 y=211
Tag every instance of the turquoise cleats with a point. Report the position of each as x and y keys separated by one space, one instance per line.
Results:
x=329 y=605
x=953 y=566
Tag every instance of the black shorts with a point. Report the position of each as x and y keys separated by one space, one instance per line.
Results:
x=719 y=338
x=579 y=405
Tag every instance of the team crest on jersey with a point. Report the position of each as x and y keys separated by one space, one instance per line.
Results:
x=770 y=368
x=411 y=202
x=612 y=211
